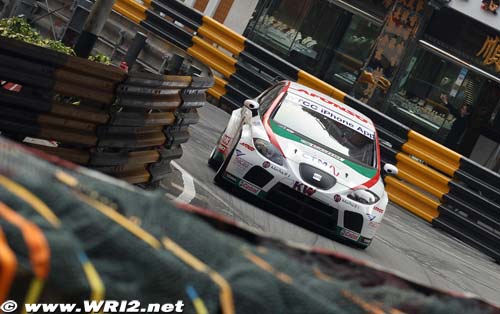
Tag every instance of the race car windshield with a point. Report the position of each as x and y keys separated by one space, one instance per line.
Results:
x=334 y=132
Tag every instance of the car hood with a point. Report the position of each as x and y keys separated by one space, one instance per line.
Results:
x=297 y=150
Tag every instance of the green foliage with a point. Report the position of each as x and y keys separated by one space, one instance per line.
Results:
x=101 y=59
x=18 y=28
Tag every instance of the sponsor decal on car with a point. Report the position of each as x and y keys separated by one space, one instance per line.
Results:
x=371 y=217
x=337 y=198
x=346 y=233
x=247 y=146
x=321 y=149
x=304 y=189
x=266 y=164
x=346 y=201
x=336 y=117
x=374 y=224
x=230 y=177
x=247 y=186
x=226 y=140
x=239 y=153
x=224 y=144
x=377 y=209
x=241 y=163
x=321 y=162
x=222 y=149
x=279 y=170
x=336 y=105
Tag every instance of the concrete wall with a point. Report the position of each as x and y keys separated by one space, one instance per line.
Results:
x=240 y=14
x=473 y=9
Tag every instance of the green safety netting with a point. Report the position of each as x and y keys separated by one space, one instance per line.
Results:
x=77 y=235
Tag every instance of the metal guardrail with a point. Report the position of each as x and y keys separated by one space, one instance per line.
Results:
x=435 y=183
x=127 y=125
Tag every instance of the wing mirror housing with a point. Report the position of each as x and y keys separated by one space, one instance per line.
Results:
x=390 y=169
x=253 y=105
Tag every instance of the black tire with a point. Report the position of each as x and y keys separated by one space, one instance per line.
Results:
x=213 y=163
x=218 y=179
x=362 y=247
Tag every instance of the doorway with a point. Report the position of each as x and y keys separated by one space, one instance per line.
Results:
x=482 y=140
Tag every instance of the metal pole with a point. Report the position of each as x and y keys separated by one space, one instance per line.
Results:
x=93 y=27
x=135 y=48
x=74 y=28
x=6 y=7
x=24 y=8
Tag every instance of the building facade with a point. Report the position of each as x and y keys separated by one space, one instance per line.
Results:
x=233 y=13
x=432 y=65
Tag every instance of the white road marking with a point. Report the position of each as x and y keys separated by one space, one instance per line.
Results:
x=213 y=193
x=201 y=197
x=189 y=191
x=176 y=186
x=206 y=188
x=170 y=196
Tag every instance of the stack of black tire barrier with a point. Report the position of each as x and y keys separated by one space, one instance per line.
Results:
x=149 y=121
x=69 y=234
x=127 y=125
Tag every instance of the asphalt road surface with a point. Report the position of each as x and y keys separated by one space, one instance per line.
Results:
x=404 y=243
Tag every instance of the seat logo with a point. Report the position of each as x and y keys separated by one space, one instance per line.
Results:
x=317 y=177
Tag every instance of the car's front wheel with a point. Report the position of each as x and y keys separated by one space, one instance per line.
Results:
x=213 y=161
x=222 y=169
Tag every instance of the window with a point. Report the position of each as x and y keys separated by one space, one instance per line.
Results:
x=351 y=53
x=323 y=127
x=430 y=94
x=277 y=27
x=268 y=97
x=297 y=30
x=321 y=37
x=378 y=8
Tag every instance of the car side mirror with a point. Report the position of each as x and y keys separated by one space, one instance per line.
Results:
x=252 y=104
x=390 y=169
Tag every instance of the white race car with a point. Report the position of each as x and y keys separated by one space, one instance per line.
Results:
x=310 y=155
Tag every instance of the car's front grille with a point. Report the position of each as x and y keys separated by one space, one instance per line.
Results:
x=258 y=176
x=353 y=221
x=316 y=177
x=303 y=206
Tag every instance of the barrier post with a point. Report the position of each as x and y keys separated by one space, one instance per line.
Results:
x=93 y=27
x=135 y=49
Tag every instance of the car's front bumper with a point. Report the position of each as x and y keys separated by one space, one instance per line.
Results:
x=311 y=214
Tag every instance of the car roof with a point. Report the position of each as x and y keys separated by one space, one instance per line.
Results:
x=332 y=103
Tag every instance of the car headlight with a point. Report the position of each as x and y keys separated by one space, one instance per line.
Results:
x=269 y=151
x=364 y=196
